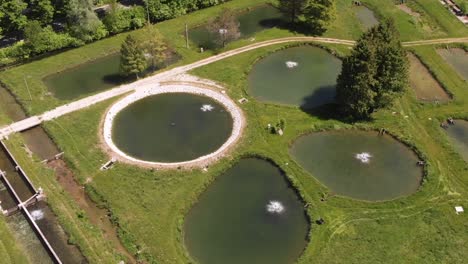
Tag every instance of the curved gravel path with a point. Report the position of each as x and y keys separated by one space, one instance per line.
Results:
x=218 y=95
x=166 y=75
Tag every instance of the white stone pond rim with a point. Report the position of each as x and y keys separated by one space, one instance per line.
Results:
x=155 y=89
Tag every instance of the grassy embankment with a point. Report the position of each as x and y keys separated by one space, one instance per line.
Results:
x=149 y=206
x=346 y=26
x=10 y=252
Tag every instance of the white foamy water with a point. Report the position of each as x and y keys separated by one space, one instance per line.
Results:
x=364 y=157
x=291 y=64
x=207 y=107
x=37 y=214
x=275 y=207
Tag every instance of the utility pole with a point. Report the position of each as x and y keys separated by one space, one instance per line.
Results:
x=186 y=36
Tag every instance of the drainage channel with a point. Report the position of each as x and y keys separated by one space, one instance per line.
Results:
x=38 y=143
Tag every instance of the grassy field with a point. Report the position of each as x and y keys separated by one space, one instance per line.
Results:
x=149 y=205
x=346 y=26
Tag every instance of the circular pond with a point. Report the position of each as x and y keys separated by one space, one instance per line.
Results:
x=358 y=164
x=250 y=214
x=303 y=76
x=172 y=125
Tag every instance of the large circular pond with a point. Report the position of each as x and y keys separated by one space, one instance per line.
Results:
x=171 y=127
x=358 y=164
x=303 y=76
x=250 y=214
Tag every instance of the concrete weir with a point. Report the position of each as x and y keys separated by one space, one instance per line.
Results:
x=150 y=90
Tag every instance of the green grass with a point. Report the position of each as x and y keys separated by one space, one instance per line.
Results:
x=149 y=206
x=346 y=26
x=10 y=252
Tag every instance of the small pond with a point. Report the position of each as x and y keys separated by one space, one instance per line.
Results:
x=358 y=164
x=250 y=214
x=458 y=134
x=92 y=77
x=458 y=59
x=172 y=127
x=302 y=76
x=366 y=17
x=423 y=83
x=251 y=21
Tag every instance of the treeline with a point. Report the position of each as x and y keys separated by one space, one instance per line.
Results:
x=48 y=25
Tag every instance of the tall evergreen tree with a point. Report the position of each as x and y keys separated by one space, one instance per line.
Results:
x=132 y=57
x=318 y=15
x=293 y=9
x=374 y=74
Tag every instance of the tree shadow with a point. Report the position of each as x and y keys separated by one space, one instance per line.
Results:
x=321 y=103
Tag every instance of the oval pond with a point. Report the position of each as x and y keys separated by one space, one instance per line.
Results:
x=171 y=127
x=250 y=214
x=358 y=164
x=303 y=76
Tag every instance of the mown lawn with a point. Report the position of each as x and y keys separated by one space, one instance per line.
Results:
x=346 y=26
x=149 y=206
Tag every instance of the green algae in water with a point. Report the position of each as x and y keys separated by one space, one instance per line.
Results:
x=366 y=17
x=171 y=127
x=308 y=82
x=458 y=59
x=87 y=78
x=92 y=77
x=251 y=22
x=358 y=164
x=459 y=136
x=230 y=223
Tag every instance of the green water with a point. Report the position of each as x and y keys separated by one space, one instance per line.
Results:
x=171 y=127
x=311 y=83
x=459 y=136
x=458 y=59
x=230 y=223
x=366 y=17
x=87 y=78
x=251 y=21
x=331 y=157
x=92 y=77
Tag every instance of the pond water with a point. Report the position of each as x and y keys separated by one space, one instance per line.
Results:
x=27 y=239
x=251 y=21
x=88 y=78
x=458 y=59
x=172 y=127
x=366 y=17
x=250 y=214
x=458 y=134
x=48 y=223
x=302 y=76
x=358 y=164
x=92 y=77
x=423 y=83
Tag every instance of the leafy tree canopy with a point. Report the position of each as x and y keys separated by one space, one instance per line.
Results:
x=374 y=74
x=11 y=15
x=132 y=60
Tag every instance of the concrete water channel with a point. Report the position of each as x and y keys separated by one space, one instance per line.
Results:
x=38 y=143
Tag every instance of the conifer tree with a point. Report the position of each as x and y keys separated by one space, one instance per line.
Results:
x=375 y=74
x=132 y=58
